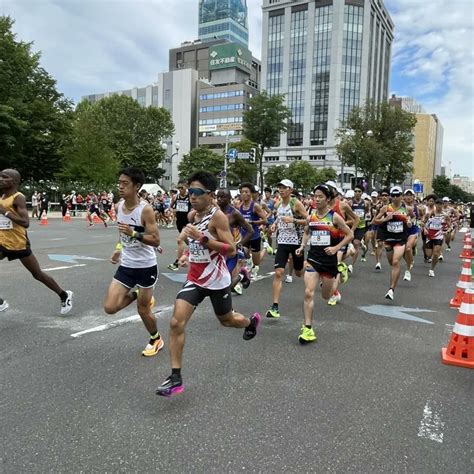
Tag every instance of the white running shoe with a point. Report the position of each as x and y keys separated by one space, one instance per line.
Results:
x=350 y=268
x=4 y=306
x=378 y=266
x=431 y=273
x=389 y=295
x=289 y=279
x=238 y=289
x=254 y=271
x=440 y=258
x=66 y=305
x=407 y=276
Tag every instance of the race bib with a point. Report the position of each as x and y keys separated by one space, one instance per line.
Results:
x=198 y=253
x=128 y=242
x=5 y=223
x=320 y=238
x=395 y=227
x=360 y=213
x=181 y=206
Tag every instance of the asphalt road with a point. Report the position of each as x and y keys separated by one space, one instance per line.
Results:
x=370 y=396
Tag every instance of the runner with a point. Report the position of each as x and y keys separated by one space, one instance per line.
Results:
x=138 y=236
x=181 y=206
x=361 y=209
x=3 y=305
x=371 y=228
x=95 y=209
x=410 y=250
x=428 y=209
x=210 y=242
x=14 y=243
x=268 y=204
x=255 y=216
x=238 y=226
x=394 y=223
x=290 y=219
x=384 y=201
x=434 y=222
x=323 y=232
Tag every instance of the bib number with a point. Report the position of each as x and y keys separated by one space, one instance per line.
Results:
x=360 y=213
x=128 y=242
x=198 y=254
x=395 y=227
x=5 y=223
x=181 y=207
x=320 y=238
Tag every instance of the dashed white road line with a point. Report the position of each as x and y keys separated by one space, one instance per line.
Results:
x=53 y=269
x=130 y=319
x=59 y=238
x=431 y=426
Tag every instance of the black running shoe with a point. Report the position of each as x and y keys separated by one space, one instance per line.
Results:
x=251 y=330
x=171 y=386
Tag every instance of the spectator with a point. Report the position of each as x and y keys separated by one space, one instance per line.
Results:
x=44 y=205
x=34 y=204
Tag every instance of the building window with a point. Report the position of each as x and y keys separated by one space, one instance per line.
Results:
x=297 y=73
x=272 y=158
x=317 y=157
x=351 y=59
x=276 y=36
x=321 y=75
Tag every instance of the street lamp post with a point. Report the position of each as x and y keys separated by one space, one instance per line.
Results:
x=369 y=134
x=164 y=145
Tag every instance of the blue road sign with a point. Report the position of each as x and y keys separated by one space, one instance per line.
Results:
x=418 y=188
x=232 y=154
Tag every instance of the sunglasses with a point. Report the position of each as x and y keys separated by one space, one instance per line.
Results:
x=197 y=191
x=384 y=195
x=394 y=195
x=357 y=191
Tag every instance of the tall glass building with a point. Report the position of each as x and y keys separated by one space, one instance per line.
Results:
x=326 y=56
x=224 y=19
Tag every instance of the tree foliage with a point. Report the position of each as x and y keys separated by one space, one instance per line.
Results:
x=264 y=121
x=378 y=140
x=200 y=159
x=35 y=119
x=442 y=187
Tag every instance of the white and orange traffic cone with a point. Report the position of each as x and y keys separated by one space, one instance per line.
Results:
x=467 y=249
x=67 y=217
x=44 y=218
x=464 y=283
x=460 y=350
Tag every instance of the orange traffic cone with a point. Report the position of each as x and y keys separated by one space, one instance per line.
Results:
x=464 y=283
x=67 y=217
x=44 y=219
x=467 y=250
x=96 y=219
x=460 y=350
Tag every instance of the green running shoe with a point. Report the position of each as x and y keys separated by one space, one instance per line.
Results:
x=273 y=313
x=306 y=335
x=343 y=270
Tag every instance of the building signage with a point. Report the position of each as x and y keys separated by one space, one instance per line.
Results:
x=220 y=127
x=223 y=56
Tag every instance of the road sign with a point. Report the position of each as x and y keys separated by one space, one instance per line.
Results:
x=418 y=188
x=232 y=154
x=243 y=156
x=222 y=174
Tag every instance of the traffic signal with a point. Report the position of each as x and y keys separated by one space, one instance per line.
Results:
x=252 y=155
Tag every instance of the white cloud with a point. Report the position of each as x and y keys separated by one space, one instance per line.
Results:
x=433 y=62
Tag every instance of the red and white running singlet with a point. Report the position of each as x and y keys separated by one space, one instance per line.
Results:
x=207 y=268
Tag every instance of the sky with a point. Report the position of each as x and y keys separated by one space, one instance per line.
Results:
x=92 y=46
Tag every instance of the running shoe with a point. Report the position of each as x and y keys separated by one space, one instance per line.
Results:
x=440 y=258
x=246 y=277
x=66 y=305
x=389 y=295
x=332 y=300
x=342 y=269
x=255 y=270
x=237 y=289
x=171 y=386
x=306 y=335
x=273 y=313
x=363 y=246
x=153 y=347
x=407 y=276
x=4 y=306
x=378 y=266
x=269 y=250
x=448 y=249
x=251 y=330
x=350 y=268
x=363 y=259
x=173 y=267
x=289 y=279
x=431 y=273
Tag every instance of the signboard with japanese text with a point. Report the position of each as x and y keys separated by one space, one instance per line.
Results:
x=223 y=56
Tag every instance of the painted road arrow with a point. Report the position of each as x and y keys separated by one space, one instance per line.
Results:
x=70 y=258
x=397 y=312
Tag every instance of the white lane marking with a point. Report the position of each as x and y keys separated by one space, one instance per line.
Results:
x=59 y=238
x=63 y=268
x=119 y=322
x=262 y=277
x=431 y=426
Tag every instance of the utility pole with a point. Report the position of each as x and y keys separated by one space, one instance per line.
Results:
x=225 y=160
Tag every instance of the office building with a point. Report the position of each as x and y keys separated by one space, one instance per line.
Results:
x=408 y=104
x=224 y=19
x=326 y=56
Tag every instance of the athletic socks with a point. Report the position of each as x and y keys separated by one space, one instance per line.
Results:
x=153 y=337
x=63 y=296
x=275 y=306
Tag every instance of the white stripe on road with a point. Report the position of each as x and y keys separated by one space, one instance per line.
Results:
x=63 y=268
x=59 y=238
x=431 y=426
x=119 y=322
x=262 y=277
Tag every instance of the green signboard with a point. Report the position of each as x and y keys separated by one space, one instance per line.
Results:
x=223 y=56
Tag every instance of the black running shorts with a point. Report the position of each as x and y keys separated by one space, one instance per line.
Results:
x=141 y=277
x=434 y=243
x=14 y=254
x=221 y=300
x=255 y=245
x=283 y=254
x=359 y=234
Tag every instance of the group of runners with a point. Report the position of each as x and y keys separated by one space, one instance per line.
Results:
x=222 y=241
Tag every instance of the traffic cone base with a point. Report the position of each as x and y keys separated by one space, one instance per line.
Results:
x=67 y=217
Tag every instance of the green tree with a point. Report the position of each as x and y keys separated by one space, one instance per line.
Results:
x=377 y=140
x=88 y=158
x=34 y=117
x=263 y=122
x=275 y=174
x=441 y=186
x=200 y=159
x=133 y=133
